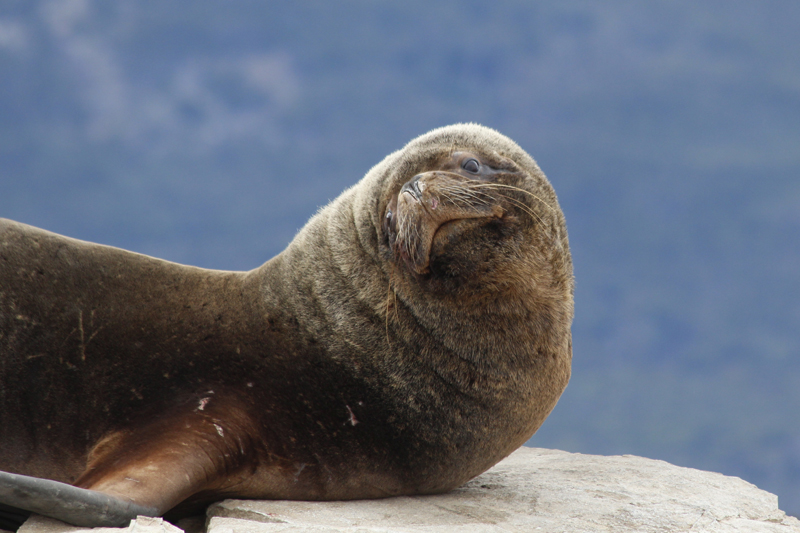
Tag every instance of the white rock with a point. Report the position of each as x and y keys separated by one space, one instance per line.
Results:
x=142 y=524
x=537 y=490
x=532 y=490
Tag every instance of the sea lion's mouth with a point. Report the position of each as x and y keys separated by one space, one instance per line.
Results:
x=429 y=208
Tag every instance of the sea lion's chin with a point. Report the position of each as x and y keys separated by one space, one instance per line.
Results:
x=418 y=235
x=421 y=243
x=410 y=236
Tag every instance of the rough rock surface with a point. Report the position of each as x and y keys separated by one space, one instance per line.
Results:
x=532 y=490
x=143 y=524
x=538 y=489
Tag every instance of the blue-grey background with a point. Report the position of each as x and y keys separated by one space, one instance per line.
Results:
x=208 y=132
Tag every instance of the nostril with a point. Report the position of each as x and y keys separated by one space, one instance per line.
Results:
x=412 y=187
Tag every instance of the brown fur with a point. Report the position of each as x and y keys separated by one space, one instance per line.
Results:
x=345 y=367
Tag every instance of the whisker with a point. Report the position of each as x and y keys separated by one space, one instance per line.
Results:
x=465 y=195
x=391 y=301
x=524 y=207
x=513 y=188
x=471 y=194
x=446 y=195
x=497 y=187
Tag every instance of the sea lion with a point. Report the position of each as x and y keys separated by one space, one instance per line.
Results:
x=415 y=332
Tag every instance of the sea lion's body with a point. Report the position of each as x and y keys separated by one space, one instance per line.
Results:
x=404 y=342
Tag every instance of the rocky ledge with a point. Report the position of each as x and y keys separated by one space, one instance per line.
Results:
x=531 y=490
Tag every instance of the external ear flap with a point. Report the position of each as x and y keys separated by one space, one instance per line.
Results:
x=80 y=507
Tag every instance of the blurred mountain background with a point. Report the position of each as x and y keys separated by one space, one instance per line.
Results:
x=208 y=132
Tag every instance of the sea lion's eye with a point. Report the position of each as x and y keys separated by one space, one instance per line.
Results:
x=471 y=165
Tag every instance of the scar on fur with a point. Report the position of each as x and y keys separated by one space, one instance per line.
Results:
x=299 y=469
x=353 y=420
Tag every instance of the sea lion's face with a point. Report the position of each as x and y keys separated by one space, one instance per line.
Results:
x=462 y=219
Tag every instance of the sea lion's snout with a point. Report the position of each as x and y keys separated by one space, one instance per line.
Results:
x=432 y=201
x=412 y=187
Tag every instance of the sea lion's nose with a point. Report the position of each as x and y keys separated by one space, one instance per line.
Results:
x=412 y=187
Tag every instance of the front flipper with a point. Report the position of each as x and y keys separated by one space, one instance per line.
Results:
x=200 y=447
x=203 y=446
x=80 y=507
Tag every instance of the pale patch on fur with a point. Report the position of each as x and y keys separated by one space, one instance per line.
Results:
x=352 y=419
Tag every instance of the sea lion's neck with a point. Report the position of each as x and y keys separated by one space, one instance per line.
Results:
x=332 y=284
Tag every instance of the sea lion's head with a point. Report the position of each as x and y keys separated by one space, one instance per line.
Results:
x=464 y=210
x=444 y=278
